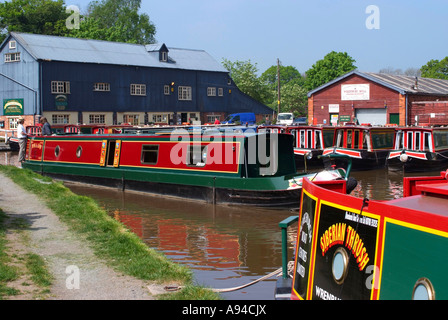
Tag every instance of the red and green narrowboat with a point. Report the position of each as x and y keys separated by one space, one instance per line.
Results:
x=419 y=149
x=247 y=169
x=368 y=146
x=353 y=248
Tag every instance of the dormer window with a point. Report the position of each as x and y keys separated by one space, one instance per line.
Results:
x=164 y=56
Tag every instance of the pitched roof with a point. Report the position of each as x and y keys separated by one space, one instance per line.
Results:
x=45 y=47
x=400 y=83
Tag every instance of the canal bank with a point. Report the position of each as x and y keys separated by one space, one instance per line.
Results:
x=71 y=257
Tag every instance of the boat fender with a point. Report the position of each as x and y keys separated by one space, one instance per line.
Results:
x=351 y=185
x=446 y=174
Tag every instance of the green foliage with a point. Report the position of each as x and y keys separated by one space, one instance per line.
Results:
x=116 y=20
x=293 y=96
x=33 y=16
x=333 y=65
x=436 y=69
x=244 y=74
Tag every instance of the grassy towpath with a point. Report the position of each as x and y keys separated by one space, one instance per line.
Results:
x=76 y=249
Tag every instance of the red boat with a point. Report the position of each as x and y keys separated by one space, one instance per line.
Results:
x=419 y=149
x=352 y=248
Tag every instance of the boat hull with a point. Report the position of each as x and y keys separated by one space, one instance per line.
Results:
x=361 y=159
x=418 y=161
x=214 y=190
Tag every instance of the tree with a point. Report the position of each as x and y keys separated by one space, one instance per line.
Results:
x=287 y=74
x=333 y=65
x=435 y=69
x=244 y=74
x=116 y=20
x=33 y=16
x=292 y=94
x=294 y=99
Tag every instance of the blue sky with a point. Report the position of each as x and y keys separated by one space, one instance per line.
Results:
x=411 y=32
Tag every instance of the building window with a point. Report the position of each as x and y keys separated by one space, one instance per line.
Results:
x=12 y=44
x=60 y=87
x=13 y=123
x=211 y=91
x=60 y=118
x=150 y=154
x=164 y=56
x=100 y=86
x=166 y=90
x=12 y=57
x=132 y=119
x=184 y=93
x=212 y=118
x=97 y=119
x=160 y=118
x=138 y=89
x=220 y=92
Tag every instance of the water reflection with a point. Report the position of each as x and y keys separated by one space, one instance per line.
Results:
x=224 y=246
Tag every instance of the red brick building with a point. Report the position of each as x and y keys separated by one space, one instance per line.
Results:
x=379 y=99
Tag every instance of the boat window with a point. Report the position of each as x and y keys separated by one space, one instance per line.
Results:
x=328 y=138
x=349 y=139
x=57 y=151
x=295 y=140
x=197 y=155
x=356 y=139
x=302 y=138
x=79 y=152
x=383 y=139
x=440 y=139
x=150 y=154
x=410 y=143
x=339 y=139
x=309 y=139
x=318 y=140
x=417 y=141
x=399 y=141
x=423 y=290
x=110 y=152
x=427 y=142
x=365 y=140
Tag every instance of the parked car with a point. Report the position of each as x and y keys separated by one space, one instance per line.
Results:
x=242 y=118
x=300 y=121
x=285 y=118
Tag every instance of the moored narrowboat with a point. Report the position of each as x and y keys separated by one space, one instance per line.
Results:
x=368 y=146
x=309 y=143
x=246 y=169
x=419 y=149
x=353 y=248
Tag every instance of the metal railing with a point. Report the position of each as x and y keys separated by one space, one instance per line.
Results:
x=284 y=226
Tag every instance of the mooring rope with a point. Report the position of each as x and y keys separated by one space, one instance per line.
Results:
x=276 y=272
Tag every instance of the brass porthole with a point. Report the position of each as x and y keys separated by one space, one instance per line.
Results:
x=57 y=150
x=423 y=290
x=79 y=152
x=339 y=265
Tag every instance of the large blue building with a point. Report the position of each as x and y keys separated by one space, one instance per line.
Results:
x=71 y=81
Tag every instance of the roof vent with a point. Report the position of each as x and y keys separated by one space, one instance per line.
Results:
x=416 y=84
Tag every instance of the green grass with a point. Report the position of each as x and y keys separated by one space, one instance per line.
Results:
x=109 y=238
x=7 y=273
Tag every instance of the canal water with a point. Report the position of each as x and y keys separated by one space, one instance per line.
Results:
x=225 y=246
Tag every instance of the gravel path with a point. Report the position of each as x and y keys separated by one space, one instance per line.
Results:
x=66 y=255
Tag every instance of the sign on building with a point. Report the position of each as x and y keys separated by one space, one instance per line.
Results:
x=12 y=107
x=352 y=92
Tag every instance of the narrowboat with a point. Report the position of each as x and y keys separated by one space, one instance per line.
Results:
x=368 y=146
x=352 y=248
x=245 y=169
x=419 y=149
x=309 y=143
